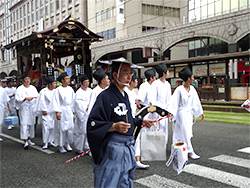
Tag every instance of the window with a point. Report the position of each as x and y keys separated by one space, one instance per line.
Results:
x=24 y=10
x=28 y=19
x=63 y=3
x=41 y=2
x=52 y=7
x=24 y=21
x=41 y=13
x=37 y=15
x=17 y=25
x=17 y=14
x=243 y=4
x=33 y=17
x=57 y=4
x=14 y=16
x=21 y=12
x=21 y=23
x=47 y=10
x=28 y=8
x=32 y=5
x=3 y=55
x=37 y=3
x=98 y=16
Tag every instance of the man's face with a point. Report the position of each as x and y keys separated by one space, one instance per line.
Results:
x=10 y=84
x=26 y=81
x=52 y=85
x=191 y=79
x=134 y=83
x=66 y=80
x=166 y=75
x=125 y=75
x=85 y=84
x=153 y=78
x=106 y=80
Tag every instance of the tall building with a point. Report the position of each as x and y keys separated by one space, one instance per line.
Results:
x=19 y=18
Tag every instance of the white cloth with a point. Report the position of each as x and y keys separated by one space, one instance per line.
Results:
x=160 y=95
x=3 y=105
x=184 y=105
x=144 y=93
x=81 y=105
x=132 y=99
x=43 y=102
x=26 y=110
x=62 y=102
x=95 y=92
x=10 y=91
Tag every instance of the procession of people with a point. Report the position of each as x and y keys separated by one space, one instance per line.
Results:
x=103 y=119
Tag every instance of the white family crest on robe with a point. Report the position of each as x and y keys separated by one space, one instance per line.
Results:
x=121 y=109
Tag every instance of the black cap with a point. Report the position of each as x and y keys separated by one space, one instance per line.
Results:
x=134 y=77
x=185 y=73
x=161 y=68
x=50 y=79
x=24 y=76
x=99 y=74
x=83 y=77
x=9 y=80
x=62 y=76
x=150 y=73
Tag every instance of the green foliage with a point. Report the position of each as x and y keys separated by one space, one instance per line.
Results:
x=227 y=117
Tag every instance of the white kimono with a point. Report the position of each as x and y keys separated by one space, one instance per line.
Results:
x=81 y=105
x=95 y=92
x=184 y=105
x=62 y=101
x=43 y=101
x=160 y=95
x=3 y=105
x=132 y=99
x=26 y=110
x=10 y=91
x=144 y=93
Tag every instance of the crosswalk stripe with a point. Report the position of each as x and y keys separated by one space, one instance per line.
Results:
x=22 y=142
x=156 y=181
x=244 y=150
x=232 y=160
x=218 y=175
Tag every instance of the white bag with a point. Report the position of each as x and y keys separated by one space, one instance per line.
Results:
x=153 y=146
x=179 y=155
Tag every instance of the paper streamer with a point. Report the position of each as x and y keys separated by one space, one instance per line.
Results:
x=179 y=156
x=76 y=157
x=246 y=105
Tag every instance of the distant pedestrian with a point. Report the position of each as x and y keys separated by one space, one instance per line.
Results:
x=25 y=97
x=42 y=107
x=184 y=104
x=81 y=105
x=62 y=108
x=11 y=91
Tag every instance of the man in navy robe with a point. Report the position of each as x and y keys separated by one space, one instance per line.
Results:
x=110 y=131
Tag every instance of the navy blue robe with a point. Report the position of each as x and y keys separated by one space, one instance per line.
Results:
x=110 y=107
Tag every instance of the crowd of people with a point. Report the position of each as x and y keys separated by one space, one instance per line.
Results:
x=103 y=119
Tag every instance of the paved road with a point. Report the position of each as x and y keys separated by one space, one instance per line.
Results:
x=224 y=150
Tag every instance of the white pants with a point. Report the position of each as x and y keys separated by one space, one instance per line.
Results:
x=81 y=141
x=27 y=131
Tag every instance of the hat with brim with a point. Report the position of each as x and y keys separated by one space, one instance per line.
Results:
x=161 y=68
x=99 y=74
x=121 y=60
x=24 y=76
x=62 y=76
x=185 y=73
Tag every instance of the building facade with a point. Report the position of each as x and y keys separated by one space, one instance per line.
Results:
x=19 y=18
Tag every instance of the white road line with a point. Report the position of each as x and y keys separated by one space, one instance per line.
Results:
x=245 y=150
x=232 y=160
x=218 y=175
x=22 y=142
x=156 y=181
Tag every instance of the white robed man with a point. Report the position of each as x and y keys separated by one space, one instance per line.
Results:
x=184 y=104
x=42 y=107
x=62 y=108
x=81 y=105
x=25 y=97
x=132 y=99
x=103 y=80
x=160 y=95
x=11 y=91
x=4 y=99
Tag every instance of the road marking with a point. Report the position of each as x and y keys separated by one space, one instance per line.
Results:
x=245 y=150
x=232 y=160
x=218 y=175
x=156 y=181
x=22 y=142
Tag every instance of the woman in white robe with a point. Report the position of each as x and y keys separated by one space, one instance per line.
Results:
x=62 y=108
x=185 y=104
x=3 y=106
x=25 y=97
x=81 y=105
x=42 y=107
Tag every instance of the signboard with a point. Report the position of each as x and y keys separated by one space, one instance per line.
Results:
x=199 y=70
x=247 y=63
x=68 y=70
x=217 y=69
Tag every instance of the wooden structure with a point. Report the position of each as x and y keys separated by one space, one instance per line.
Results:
x=68 y=38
